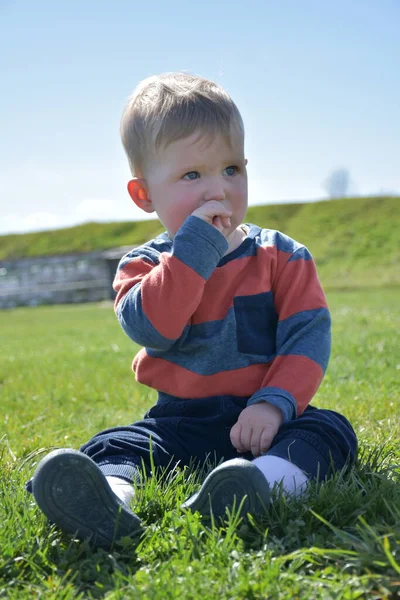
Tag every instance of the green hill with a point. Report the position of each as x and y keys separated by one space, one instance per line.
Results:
x=355 y=241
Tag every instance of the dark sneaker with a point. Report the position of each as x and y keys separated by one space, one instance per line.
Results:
x=233 y=484
x=74 y=494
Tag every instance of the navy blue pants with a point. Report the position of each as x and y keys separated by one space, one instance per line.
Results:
x=191 y=431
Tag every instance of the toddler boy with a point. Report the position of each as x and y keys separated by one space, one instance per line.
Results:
x=234 y=326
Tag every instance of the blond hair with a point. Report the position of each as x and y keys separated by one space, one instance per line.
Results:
x=169 y=107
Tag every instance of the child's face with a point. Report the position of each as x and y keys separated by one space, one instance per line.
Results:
x=192 y=171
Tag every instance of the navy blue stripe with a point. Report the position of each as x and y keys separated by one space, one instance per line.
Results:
x=149 y=252
x=301 y=254
x=136 y=324
x=258 y=237
x=199 y=245
x=270 y=237
x=306 y=333
x=209 y=348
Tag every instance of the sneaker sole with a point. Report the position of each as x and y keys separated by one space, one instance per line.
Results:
x=236 y=483
x=74 y=494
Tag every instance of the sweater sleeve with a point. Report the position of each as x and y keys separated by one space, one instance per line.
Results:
x=157 y=293
x=303 y=337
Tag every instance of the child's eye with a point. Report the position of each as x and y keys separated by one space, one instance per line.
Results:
x=232 y=170
x=191 y=176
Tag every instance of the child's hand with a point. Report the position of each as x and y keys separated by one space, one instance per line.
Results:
x=215 y=213
x=256 y=427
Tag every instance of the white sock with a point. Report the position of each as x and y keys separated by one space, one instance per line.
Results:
x=276 y=470
x=121 y=488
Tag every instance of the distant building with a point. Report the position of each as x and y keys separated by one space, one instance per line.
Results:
x=59 y=279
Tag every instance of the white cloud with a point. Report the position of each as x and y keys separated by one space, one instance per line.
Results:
x=17 y=223
x=38 y=196
x=90 y=209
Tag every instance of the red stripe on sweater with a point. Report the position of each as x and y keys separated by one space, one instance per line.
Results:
x=173 y=379
x=298 y=375
x=170 y=292
x=129 y=276
x=294 y=284
x=240 y=277
x=297 y=288
x=170 y=295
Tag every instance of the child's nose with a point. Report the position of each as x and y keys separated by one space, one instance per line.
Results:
x=215 y=190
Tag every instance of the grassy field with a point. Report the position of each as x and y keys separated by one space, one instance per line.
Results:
x=65 y=374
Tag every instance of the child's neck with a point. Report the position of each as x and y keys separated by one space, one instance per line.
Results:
x=236 y=238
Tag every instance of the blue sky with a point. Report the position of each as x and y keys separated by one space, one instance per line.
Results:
x=317 y=83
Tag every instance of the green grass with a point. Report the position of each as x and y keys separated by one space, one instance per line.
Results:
x=355 y=241
x=65 y=374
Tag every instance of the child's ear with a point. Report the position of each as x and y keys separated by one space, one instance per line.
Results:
x=245 y=161
x=138 y=192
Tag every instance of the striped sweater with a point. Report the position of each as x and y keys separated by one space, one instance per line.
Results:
x=253 y=323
